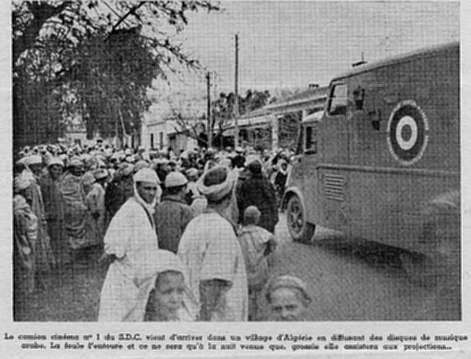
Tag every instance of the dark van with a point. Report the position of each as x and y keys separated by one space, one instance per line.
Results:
x=383 y=162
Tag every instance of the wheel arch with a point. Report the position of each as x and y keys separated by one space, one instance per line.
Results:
x=442 y=209
x=290 y=192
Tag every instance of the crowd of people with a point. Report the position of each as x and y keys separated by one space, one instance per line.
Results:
x=184 y=237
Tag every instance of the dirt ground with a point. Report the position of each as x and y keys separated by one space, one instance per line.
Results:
x=347 y=280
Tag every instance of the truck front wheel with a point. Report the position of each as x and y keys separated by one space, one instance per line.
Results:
x=299 y=229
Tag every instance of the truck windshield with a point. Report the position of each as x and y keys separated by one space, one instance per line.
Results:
x=310 y=135
x=338 y=100
x=299 y=144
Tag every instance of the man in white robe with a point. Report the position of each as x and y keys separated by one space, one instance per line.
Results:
x=131 y=242
x=211 y=251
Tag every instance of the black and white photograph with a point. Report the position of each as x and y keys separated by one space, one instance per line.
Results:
x=236 y=161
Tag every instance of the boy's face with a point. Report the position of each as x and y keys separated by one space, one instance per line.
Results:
x=36 y=168
x=76 y=171
x=286 y=305
x=168 y=294
x=55 y=171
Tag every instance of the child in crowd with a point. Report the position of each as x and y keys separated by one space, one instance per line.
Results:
x=256 y=244
x=163 y=294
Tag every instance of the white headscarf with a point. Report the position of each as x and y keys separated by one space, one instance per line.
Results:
x=33 y=159
x=146 y=276
x=147 y=175
x=22 y=181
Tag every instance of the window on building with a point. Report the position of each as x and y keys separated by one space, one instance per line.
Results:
x=152 y=140
x=338 y=100
x=161 y=140
x=310 y=144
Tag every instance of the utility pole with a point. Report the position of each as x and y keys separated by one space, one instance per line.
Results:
x=208 y=110
x=236 y=92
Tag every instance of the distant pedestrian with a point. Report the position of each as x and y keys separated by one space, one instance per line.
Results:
x=256 y=244
x=45 y=260
x=50 y=183
x=75 y=209
x=96 y=205
x=257 y=191
x=238 y=161
x=117 y=191
x=193 y=196
x=172 y=215
x=280 y=177
x=25 y=236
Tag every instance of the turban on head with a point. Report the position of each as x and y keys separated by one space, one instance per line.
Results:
x=75 y=162
x=55 y=161
x=140 y=165
x=33 y=160
x=126 y=169
x=192 y=172
x=100 y=174
x=216 y=183
x=88 y=179
x=175 y=179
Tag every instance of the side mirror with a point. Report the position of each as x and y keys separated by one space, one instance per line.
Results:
x=375 y=118
x=358 y=98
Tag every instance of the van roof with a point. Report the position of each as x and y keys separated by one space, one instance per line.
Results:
x=399 y=58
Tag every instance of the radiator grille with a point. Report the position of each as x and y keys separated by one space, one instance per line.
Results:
x=334 y=185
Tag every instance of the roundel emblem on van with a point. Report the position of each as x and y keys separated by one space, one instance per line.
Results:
x=407 y=133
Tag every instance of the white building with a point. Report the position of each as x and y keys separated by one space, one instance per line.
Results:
x=76 y=133
x=160 y=130
x=160 y=134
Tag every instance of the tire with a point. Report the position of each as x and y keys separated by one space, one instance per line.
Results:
x=299 y=229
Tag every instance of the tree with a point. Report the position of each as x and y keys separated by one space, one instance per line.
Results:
x=223 y=107
x=222 y=113
x=92 y=58
x=289 y=129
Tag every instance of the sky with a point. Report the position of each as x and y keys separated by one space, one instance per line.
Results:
x=295 y=43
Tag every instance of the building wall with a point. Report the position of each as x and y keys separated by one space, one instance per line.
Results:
x=161 y=135
x=156 y=136
x=80 y=137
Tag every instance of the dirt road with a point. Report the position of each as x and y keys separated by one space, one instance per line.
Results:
x=352 y=280
x=348 y=281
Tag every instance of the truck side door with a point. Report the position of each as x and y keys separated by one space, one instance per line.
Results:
x=332 y=175
x=310 y=160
